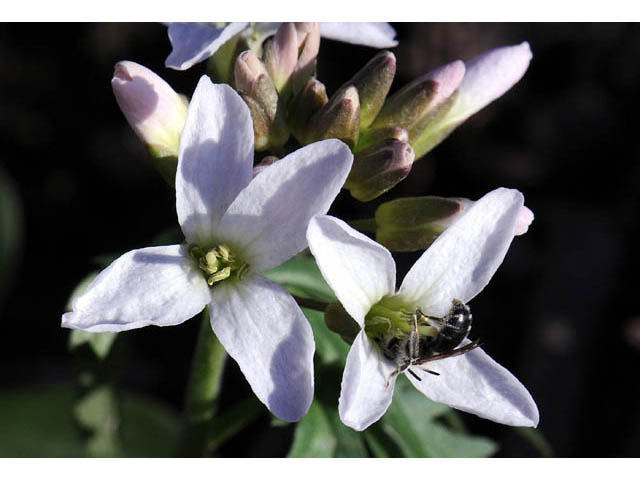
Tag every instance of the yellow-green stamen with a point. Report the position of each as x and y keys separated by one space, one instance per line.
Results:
x=218 y=263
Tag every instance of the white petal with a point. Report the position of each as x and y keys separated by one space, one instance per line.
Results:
x=150 y=286
x=477 y=384
x=194 y=42
x=216 y=158
x=462 y=260
x=365 y=396
x=268 y=220
x=372 y=34
x=359 y=270
x=263 y=329
x=488 y=77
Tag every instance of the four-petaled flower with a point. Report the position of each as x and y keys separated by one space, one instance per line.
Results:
x=235 y=228
x=195 y=42
x=458 y=265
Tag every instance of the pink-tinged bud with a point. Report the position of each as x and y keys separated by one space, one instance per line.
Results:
x=281 y=55
x=307 y=103
x=413 y=106
x=340 y=118
x=258 y=91
x=153 y=109
x=308 y=46
x=487 y=77
x=413 y=223
x=379 y=168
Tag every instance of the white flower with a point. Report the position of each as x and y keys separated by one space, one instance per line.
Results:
x=458 y=265
x=194 y=42
x=235 y=228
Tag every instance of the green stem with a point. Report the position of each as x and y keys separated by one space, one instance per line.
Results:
x=310 y=303
x=202 y=391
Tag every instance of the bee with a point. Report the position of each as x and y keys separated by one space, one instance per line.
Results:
x=417 y=350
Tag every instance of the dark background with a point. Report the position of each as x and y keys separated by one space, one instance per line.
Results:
x=561 y=313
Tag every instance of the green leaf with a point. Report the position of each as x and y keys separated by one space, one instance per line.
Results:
x=100 y=343
x=411 y=423
x=301 y=277
x=39 y=422
x=314 y=437
x=380 y=443
x=350 y=444
x=329 y=346
x=98 y=413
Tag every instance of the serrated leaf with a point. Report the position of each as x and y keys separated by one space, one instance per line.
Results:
x=314 y=437
x=301 y=277
x=100 y=343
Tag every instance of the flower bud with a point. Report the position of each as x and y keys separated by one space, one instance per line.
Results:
x=290 y=56
x=281 y=54
x=340 y=118
x=308 y=46
x=413 y=223
x=373 y=82
x=413 y=106
x=153 y=109
x=487 y=77
x=371 y=137
x=256 y=88
x=311 y=99
x=379 y=168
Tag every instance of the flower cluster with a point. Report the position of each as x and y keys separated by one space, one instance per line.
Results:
x=241 y=217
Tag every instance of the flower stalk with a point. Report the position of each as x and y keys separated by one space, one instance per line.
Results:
x=203 y=390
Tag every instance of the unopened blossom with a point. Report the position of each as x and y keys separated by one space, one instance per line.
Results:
x=458 y=265
x=486 y=78
x=236 y=228
x=153 y=109
x=195 y=42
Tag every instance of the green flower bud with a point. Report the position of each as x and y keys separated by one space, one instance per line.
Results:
x=256 y=88
x=415 y=105
x=373 y=82
x=413 y=223
x=371 y=137
x=311 y=99
x=340 y=118
x=340 y=322
x=379 y=168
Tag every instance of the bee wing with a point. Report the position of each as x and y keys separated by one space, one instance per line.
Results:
x=453 y=353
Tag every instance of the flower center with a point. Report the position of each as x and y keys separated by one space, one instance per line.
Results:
x=393 y=318
x=218 y=263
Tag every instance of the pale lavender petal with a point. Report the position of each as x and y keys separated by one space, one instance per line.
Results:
x=150 y=286
x=488 y=77
x=365 y=394
x=462 y=260
x=268 y=221
x=194 y=42
x=372 y=34
x=477 y=384
x=216 y=159
x=263 y=329
x=359 y=270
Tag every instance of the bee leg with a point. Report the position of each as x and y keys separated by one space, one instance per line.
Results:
x=425 y=369
x=394 y=373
